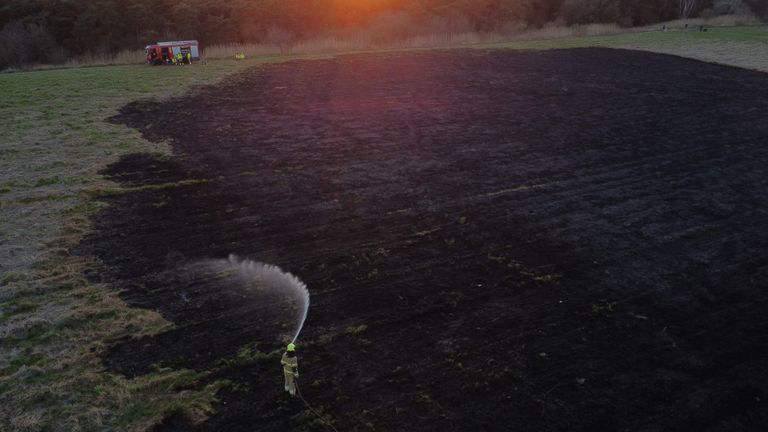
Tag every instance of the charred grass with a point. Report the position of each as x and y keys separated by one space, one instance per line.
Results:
x=562 y=240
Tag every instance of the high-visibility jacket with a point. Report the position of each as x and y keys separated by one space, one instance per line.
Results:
x=291 y=372
x=290 y=365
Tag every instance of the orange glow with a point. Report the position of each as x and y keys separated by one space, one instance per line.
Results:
x=350 y=13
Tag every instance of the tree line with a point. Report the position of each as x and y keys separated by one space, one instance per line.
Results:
x=51 y=30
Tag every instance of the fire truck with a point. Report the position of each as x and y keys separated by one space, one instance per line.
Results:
x=162 y=52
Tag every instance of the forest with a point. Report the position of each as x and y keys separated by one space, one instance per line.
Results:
x=54 y=30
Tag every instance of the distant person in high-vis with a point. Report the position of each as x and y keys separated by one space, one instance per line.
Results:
x=290 y=369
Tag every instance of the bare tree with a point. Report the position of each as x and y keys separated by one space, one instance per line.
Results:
x=22 y=44
x=686 y=7
x=731 y=7
x=281 y=37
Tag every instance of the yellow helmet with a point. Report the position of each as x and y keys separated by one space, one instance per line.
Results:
x=291 y=347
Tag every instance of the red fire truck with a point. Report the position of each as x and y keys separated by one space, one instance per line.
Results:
x=162 y=52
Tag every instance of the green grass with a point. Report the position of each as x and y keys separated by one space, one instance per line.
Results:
x=748 y=35
x=249 y=355
x=54 y=324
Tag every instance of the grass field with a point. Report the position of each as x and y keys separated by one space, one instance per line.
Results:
x=55 y=321
x=738 y=46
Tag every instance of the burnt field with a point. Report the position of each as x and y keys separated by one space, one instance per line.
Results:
x=564 y=240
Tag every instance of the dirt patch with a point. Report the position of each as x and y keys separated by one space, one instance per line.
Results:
x=564 y=240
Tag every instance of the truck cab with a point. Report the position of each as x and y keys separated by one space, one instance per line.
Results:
x=162 y=52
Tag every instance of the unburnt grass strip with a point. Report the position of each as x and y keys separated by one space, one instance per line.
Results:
x=54 y=323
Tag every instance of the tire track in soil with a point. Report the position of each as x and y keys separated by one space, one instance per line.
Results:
x=563 y=240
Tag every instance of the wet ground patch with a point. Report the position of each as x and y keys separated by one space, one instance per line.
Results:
x=564 y=240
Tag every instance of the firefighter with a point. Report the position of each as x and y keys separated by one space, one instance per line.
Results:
x=179 y=59
x=290 y=368
x=189 y=58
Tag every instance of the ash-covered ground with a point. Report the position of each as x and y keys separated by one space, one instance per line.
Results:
x=569 y=240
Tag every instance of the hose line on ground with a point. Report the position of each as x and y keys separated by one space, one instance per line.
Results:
x=325 y=422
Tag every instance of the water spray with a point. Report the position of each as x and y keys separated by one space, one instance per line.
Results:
x=271 y=279
x=279 y=300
